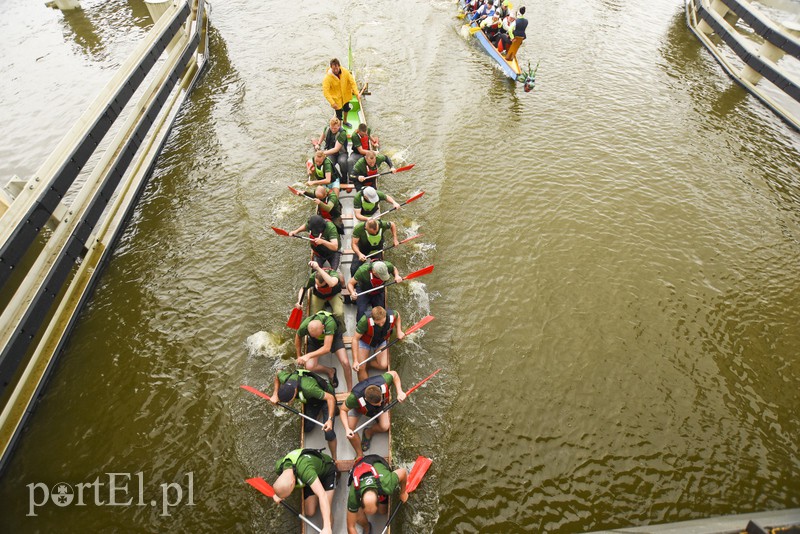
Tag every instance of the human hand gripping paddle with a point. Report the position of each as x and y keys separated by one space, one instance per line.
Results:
x=406 y=240
x=296 y=317
x=263 y=486
x=425 y=320
x=409 y=201
x=299 y=193
x=414 y=478
x=415 y=274
x=392 y=404
x=281 y=231
x=282 y=405
x=394 y=171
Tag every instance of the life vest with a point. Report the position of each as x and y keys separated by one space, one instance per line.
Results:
x=364 y=139
x=374 y=280
x=325 y=291
x=323 y=384
x=369 y=243
x=363 y=475
x=293 y=457
x=319 y=172
x=368 y=208
x=320 y=250
x=383 y=332
x=330 y=140
x=364 y=407
x=334 y=213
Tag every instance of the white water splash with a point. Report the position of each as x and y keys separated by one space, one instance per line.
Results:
x=420 y=295
x=267 y=345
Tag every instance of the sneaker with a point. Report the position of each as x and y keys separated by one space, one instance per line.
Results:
x=335 y=380
x=347 y=125
x=365 y=441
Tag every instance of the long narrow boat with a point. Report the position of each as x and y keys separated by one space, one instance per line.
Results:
x=381 y=443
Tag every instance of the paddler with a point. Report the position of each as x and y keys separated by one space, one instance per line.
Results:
x=326 y=288
x=366 y=203
x=369 y=237
x=329 y=206
x=316 y=393
x=363 y=141
x=321 y=172
x=313 y=471
x=367 y=398
x=324 y=336
x=325 y=240
x=333 y=142
x=368 y=276
x=491 y=26
x=517 y=34
x=362 y=173
x=372 y=481
x=373 y=330
x=339 y=86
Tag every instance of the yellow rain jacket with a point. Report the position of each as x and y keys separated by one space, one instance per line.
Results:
x=339 y=91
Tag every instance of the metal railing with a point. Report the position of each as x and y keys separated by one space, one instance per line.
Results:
x=62 y=271
x=717 y=18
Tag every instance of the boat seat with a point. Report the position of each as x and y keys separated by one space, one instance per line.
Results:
x=344 y=466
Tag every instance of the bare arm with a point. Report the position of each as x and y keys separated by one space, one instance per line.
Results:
x=401 y=395
x=392 y=201
x=395 y=242
x=298 y=230
x=275 y=385
x=324 y=505
x=324 y=349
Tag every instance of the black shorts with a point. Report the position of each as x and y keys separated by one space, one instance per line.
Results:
x=314 y=344
x=328 y=480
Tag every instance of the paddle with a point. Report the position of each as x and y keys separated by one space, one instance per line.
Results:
x=409 y=201
x=393 y=403
x=401 y=169
x=282 y=405
x=425 y=320
x=263 y=486
x=283 y=232
x=301 y=193
x=415 y=274
x=392 y=246
x=414 y=478
x=296 y=317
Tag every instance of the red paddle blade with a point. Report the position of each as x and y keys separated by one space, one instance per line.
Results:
x=280 y=231
x=415 y=197
x=409 y=239
x=410 y=391
x=255 y=391
x=262 y=485
x=421 y=272
x=293 y=190
x=417 y=472
x=406 y=168
x=425 y=320
x=295 y=319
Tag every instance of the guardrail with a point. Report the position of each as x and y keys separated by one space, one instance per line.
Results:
x=718 y=18
x=65 y=265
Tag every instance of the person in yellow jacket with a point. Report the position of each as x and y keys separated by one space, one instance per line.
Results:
x=339 y=86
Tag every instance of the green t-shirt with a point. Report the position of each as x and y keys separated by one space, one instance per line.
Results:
x=341 y=136
x=365 y=207
x=370 y=243
x=329 y=234
x=308 y=389
x=309 y=467
x=360 y=168
x=390 y=483
x=362 y=274
x=328 y=323
x=352 y=403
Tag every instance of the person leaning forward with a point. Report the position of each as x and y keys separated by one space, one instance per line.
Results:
x=315 y=393
x=326 y=288
x=372 y=481
x=368 y=237
x=315 y=473
x=368 y=276
x=324 y=336
x=329 y=207
x=333 y=143
x=364 y=171
x=324 y=240
x=366 y=203
x=373 y=330
x=339 y=86
x=368 y=398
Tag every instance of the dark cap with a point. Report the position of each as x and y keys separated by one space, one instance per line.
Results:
x=287 y=390
x=316 y=224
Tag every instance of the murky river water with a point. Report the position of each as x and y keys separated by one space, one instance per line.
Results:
x=616 y=286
